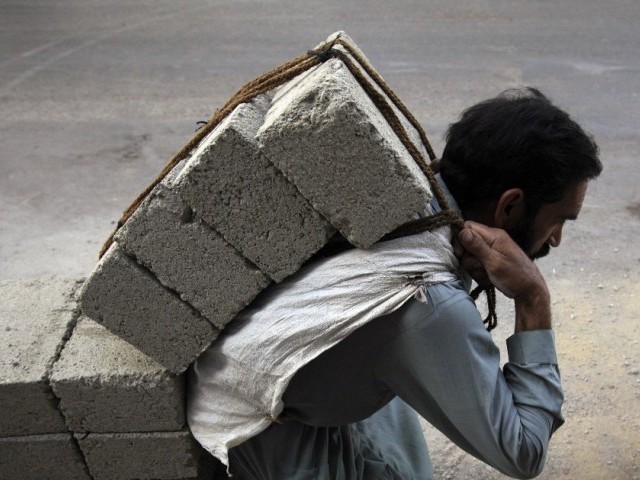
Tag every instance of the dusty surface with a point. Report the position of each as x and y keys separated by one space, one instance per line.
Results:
x=96 y=95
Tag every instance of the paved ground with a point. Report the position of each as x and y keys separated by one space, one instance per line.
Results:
x=96 y=95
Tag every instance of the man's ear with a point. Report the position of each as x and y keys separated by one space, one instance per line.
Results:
x=510 y=209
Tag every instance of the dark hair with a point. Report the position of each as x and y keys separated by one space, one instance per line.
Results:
x=518 y=139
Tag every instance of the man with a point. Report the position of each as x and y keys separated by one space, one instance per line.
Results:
x=517 y=168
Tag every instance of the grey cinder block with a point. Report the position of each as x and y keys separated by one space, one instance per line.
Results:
x=36 y=316
x=38 y=457
x=236 y=190
x=189 y=257
x=123 y=456
x=107 y=385
x=129 y=301
x=328 y=138
x=410 y=130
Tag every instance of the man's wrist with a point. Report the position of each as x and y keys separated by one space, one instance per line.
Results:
x=533 y=310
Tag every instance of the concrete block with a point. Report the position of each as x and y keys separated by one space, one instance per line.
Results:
x=235 y=189
x=189 y=257
x=36 y=316
x=411 y=131
x=106 y=385
x=129 y=301
x=38 y=457
x=329 y=139
x=123 y=456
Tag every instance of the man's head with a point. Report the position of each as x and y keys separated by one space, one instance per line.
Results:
x=520 y=163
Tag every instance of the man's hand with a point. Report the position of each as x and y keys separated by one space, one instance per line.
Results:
x=491 y=256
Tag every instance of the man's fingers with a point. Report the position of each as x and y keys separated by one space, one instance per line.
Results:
x=508 y=268
x=474 y=243
x=488 y=234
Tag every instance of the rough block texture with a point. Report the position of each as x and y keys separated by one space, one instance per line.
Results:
x=326 y=135
x=237 y=191
x=412 y=133
x=107 y=385
x=130 y=302
x=189 y=257
x=35 y=318
x=123 y=456
x=38 y=457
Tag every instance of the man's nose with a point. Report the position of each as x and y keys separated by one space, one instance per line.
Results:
x=556 y=237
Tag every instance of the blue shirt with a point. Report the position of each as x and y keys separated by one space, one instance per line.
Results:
x=438 y=357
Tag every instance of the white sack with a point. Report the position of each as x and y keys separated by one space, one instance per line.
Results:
x=236 y=386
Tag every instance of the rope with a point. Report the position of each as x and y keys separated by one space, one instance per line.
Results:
x=291 y=69
x=432 y=222
x=491 y=320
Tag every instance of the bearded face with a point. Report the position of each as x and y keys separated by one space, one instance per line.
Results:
x=524 y=236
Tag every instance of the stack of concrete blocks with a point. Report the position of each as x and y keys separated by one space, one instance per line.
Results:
x=35 y=319
x=64 y=395
x=254 y=201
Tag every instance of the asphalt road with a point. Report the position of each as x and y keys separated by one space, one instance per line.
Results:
x=95 y=96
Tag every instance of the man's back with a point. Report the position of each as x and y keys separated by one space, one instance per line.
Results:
x=438 y=358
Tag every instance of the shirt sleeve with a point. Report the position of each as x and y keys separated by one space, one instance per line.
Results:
x=447 y=367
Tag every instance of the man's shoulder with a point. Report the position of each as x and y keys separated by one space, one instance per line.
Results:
x=436 y=301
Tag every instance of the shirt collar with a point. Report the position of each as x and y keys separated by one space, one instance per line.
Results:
x=435 y=206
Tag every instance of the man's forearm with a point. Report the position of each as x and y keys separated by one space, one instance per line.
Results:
x=533 y=310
